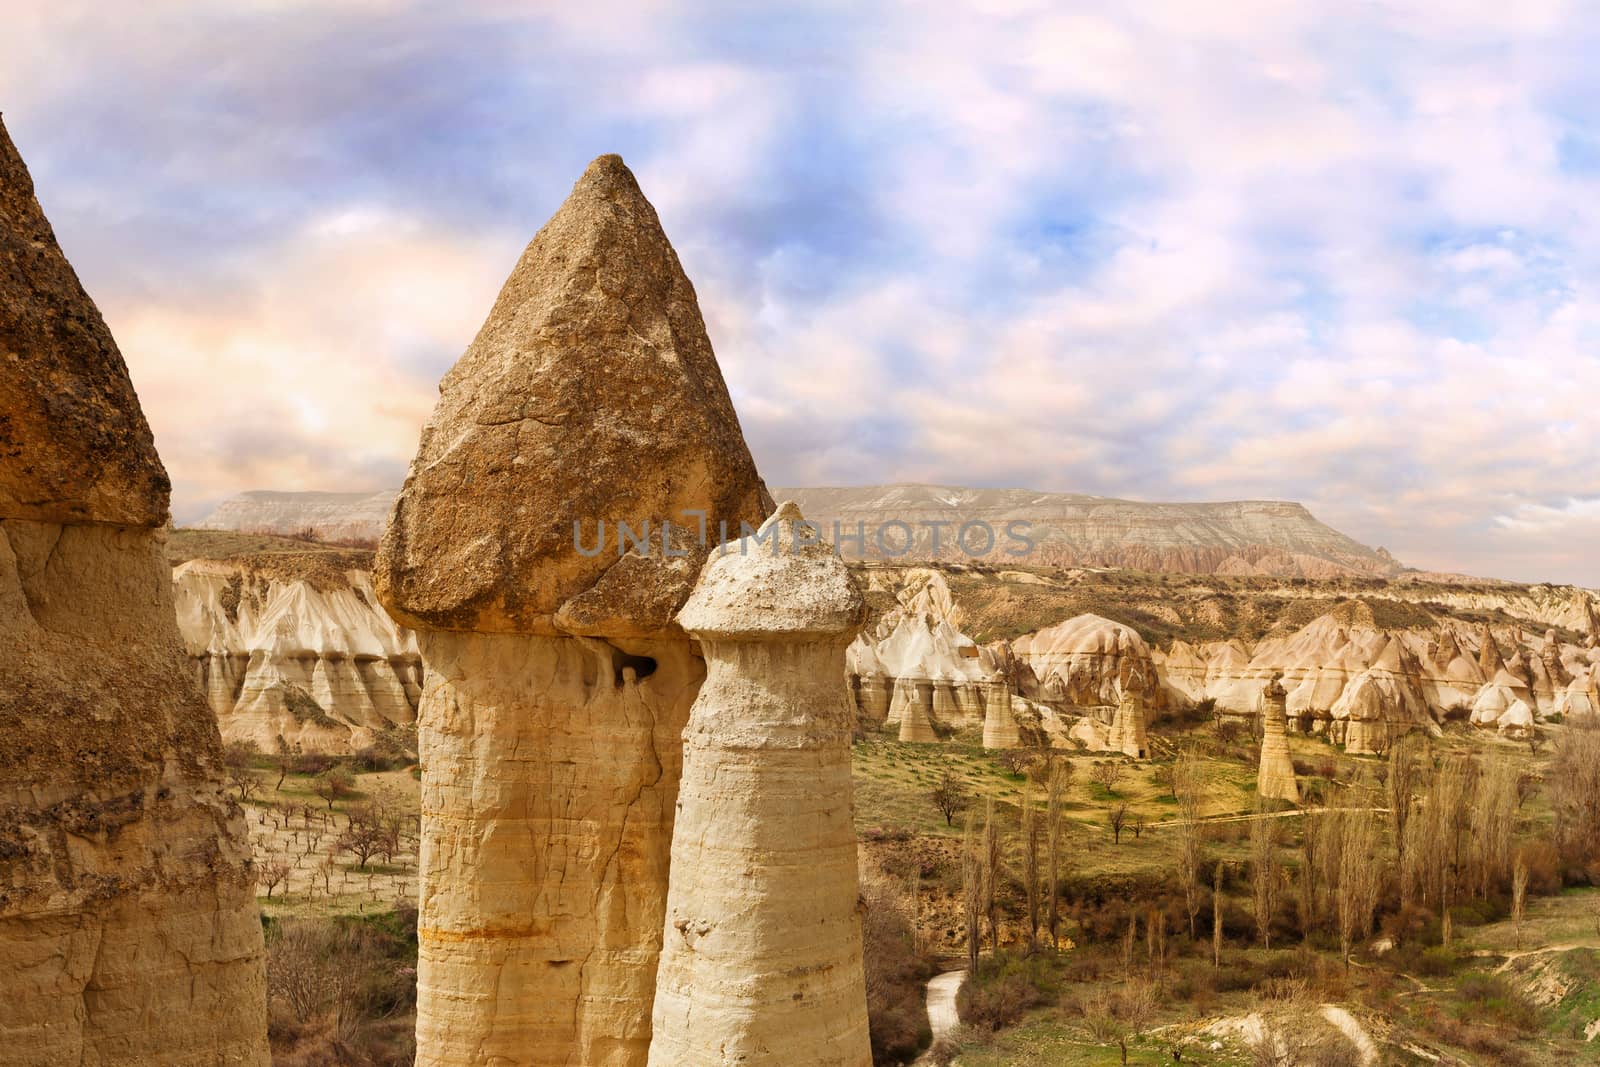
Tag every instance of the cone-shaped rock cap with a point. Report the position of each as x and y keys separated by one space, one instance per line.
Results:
x=590 y=397
x=784 y=583
x=74 y=446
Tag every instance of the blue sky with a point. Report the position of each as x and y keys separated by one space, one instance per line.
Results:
x=1342 y=253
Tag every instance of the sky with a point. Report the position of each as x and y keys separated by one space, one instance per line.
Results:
x=1345 y=253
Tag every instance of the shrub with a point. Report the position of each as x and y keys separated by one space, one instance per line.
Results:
x=1002 y=988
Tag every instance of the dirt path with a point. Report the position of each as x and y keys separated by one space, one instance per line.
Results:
x=942 y=1017
x=1288 y=813
x=1513 y=957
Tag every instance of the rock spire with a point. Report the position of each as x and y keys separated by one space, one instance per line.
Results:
x=1275 y=780
x=129 y=933
x=558 y=685
x=761 y=959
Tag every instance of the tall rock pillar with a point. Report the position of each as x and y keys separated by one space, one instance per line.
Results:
x=999 y=723
x=1128 y=733
x=544 y=540
x=916 y=718
x=761 y=958
x=129 y=935
x=1275 y=781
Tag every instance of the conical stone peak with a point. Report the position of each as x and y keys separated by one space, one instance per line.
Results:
x=590 y=398
x=74 y=444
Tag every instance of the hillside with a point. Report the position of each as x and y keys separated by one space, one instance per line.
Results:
x=1248 y=537
x=330 y=516
x=1244 y=538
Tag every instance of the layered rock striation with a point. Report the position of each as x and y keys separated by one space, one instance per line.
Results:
x=761 y=960
x=558 y=685
x=128 y=928
x=293 y=649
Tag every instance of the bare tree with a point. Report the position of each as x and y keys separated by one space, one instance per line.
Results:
x=1016 y=760
x=1573 y=787
x=1216 y=915
x=366 y=834
x=950 y=796
x=1155 y=929
x=1359 y=878
x=993 y=849
x=1118 y=817
x=1401 y=786
x=1056 y=789
x=1264 y=874
x=283 y=760
x=237 y=758
x=336 y=783
x=1119 y=1018
x=1189 y=789
x=1030 y=867
x=1519 y=895
x=1138 y=826
x=1311 y=829
x=1107 y=773
x=1492 y=821
x=298 y=968
x=972 y=891
x=273 y=872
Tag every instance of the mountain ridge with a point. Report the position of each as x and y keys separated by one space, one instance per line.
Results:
x=1274 y=538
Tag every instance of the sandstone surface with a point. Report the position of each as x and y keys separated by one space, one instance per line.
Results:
x=558 y=685
x=761 y=961
x=589 y=398
x=129 y=935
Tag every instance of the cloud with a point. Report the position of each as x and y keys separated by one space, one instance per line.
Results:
x=1261 y=251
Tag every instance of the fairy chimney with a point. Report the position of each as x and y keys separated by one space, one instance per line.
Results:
x=761 y=960
x=550 y=528
x=1275 y=780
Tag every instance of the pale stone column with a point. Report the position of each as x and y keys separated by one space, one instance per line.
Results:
x=1276 y=778
x=916 y=716
x=944 y=708
x=872 y=696
x=999 y=724
x=904 y=696
x=1128 y=734
x=761 y=954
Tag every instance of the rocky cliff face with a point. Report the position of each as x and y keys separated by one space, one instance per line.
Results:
x=558 y=685
x=1253 y=537
x=293 y=648
x=128 y=927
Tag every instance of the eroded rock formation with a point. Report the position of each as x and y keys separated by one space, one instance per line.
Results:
x=1275 y=777
x=918 y=650
x=293 y=647
x=558 y=685
x=1128 y=733
x=761 y=959
x=128 y=927
x=1088 y=661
